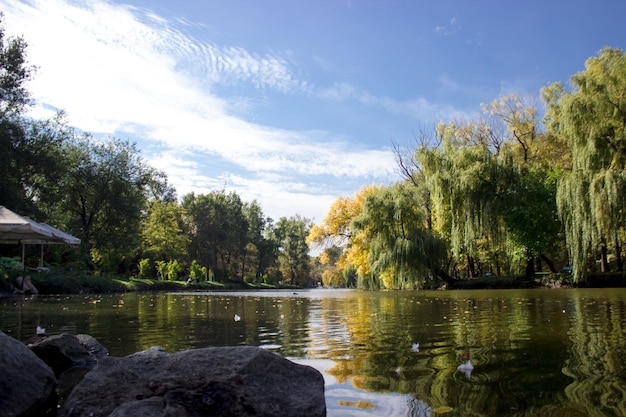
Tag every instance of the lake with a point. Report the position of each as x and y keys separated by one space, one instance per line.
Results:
x=535 y=352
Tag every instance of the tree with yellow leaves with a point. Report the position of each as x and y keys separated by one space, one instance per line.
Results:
x=336 y=229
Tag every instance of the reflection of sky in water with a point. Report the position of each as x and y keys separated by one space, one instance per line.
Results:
x=343 y=399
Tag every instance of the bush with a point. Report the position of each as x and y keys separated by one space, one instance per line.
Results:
x=144 y=268
x=161 y=267
x=198 y=272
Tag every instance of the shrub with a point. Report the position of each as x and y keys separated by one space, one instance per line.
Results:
x=161 y=267
x=173 y=269
x=144 y=268
x=197 y=272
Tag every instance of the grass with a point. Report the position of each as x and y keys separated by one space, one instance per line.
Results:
x=63 y=281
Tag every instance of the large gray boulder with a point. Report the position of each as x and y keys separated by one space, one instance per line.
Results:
x=27 y=384
x=219 y=381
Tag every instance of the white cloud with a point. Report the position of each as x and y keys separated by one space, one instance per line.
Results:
x=451 y=28
x=123 y=71
x=419 y=109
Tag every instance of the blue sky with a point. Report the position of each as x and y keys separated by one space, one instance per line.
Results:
x=294 y=103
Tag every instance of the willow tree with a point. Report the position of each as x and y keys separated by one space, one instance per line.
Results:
x=591 y=119
x=530 y=214
x=468 y=173
x=402 y=251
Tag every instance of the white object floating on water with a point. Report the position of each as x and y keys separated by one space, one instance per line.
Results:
x=415 y=347
x=41 y=330
x=467 y=366
x=237 y=317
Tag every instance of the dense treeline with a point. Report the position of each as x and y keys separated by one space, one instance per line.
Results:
x=509 y=193
x=128 y=217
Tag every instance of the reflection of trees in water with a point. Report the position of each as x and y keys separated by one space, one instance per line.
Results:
x=184 y=321
x=518 y=346
x=596 y=365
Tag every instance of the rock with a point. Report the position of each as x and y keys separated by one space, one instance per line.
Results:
x=64 y=351
x=95 y=349
x=27 y=384
x=218 y=381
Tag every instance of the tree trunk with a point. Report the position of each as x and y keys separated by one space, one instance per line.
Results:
x=443 y=275
x=471 y=270
x=618 y=254
x=530 y=266
x=498 y=268
x=604 y=262
x=549 y=262
x=539 y=266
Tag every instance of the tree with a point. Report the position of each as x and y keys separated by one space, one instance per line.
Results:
x=32 y=165
x=162 y=234
x=591 y=120
x=105 y=193
x=467 y=173
x=491 y=183
x=336 y=229
x=30 y=161
x=291 y=233
x=402 y=251
x=14 y=73
x=218 y=231
x=530 y=215
x=260 y=251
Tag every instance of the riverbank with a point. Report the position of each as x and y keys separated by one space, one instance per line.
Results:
x=543 y=280
x=86 y=282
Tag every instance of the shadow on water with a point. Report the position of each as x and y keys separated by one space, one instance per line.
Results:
x=533 y=352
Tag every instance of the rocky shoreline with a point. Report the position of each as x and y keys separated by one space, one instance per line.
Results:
x=73 y=375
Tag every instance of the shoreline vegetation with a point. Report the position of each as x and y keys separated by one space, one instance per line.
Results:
x=90 y=282
x=57 y=281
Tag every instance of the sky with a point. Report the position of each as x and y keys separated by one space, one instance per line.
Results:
x=294 y=103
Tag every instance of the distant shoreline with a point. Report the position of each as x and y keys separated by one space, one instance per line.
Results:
x=80 y=282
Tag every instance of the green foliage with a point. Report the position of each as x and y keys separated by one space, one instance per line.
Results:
x=403 y=252
x=173 y=269
x=228 y=235
x=162 y=231
x=105 y=192
x=161 y=267
x=144 y=268
x=198 y=272
x=591 y=119
x=14 y=75
x=96 y=256
x=290 y=236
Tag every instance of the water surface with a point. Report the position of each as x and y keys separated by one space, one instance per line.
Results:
x=534 y=352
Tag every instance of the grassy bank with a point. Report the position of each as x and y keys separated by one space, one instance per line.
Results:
x=84 y=282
